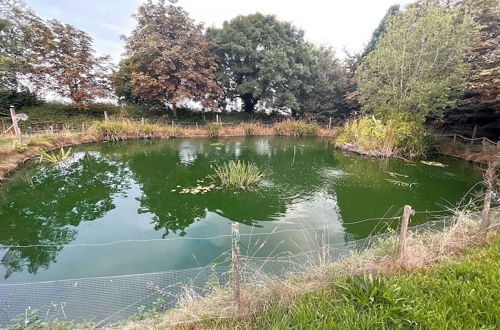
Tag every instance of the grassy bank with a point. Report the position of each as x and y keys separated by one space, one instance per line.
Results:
x=460 y=293
x=437 y=285
x=13 y=151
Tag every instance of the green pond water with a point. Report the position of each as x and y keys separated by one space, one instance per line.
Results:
x=125 y=192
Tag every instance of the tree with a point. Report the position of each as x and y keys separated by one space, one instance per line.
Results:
x=22 y=37
x=48 y=55
x=417 y=66
x=169 y=59
x=262 y=59
x=71 y=68
x=330 y=83
x=484 y=55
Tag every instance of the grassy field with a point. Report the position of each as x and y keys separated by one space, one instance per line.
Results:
x=463 y=293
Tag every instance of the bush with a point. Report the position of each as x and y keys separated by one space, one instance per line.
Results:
x=296 y=128
x=399 y=136
x=213 y=129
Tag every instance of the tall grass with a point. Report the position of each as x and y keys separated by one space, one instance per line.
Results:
x=212 y=129
x=296 y=128
x=394 y=137
x=239 y=174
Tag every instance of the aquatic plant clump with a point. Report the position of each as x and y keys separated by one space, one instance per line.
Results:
x=239 y=174
x=54 y=157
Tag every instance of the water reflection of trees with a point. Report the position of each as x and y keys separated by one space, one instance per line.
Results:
x=166 y=169
x=46 y=209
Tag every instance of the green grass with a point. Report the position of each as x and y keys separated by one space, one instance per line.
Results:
x=238 y=175
x=461 y=294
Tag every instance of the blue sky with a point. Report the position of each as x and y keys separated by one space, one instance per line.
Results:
x=342 y=24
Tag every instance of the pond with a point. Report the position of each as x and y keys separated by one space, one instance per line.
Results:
x=56 y=220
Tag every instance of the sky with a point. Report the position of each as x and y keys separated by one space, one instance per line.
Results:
x=341 y=24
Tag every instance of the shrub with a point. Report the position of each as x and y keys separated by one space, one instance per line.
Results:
x=213 y=129
x=398 y=136
x=239 y=174
x=296 y=128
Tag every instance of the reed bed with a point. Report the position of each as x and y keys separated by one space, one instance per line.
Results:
x=238 y=174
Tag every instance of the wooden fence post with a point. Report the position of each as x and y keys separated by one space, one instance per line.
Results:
x=217 y=118
x=13 y=116
x=142 y=120
x=235 y=247
x=489 y=178
x=474 y=132
x=404 y=229
x=454 y=138
x=106 y=118
x=330 y=124
x=83 y=126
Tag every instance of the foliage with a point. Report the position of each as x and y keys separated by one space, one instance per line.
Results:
x=483 y=58
x=212 y=129
x=54 y=157
x=239 y=174
x=399 y=136
x=296 y=128
x=367 y=293
x=19 y=99
x=417 y=65
x=22 y=35
x=250 y=129
x=329 y=83
x=460 y=294
x=262 y=59
x=169 y=59
x=50 y=56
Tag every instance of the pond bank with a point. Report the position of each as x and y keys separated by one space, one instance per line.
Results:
x=14 y=152
x=437 y=262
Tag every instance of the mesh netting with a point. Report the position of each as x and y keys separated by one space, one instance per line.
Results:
x=106 y=300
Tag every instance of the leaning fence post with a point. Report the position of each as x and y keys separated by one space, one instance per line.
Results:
x=13 y=115
x=106 y=118
x=404 y=229
x=235 y=248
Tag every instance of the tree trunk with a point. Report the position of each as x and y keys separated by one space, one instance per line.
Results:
x=249 y=102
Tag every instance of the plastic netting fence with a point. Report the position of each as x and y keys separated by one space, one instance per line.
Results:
x=110 y=299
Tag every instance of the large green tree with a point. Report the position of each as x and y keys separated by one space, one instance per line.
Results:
x=169 y=59
x=330 y=84
x=417 y=65
x=262 y=59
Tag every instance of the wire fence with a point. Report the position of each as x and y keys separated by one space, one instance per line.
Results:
x=104 y=301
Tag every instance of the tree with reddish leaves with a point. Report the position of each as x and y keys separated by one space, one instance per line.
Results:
x=169 y=59
x=71 y=67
